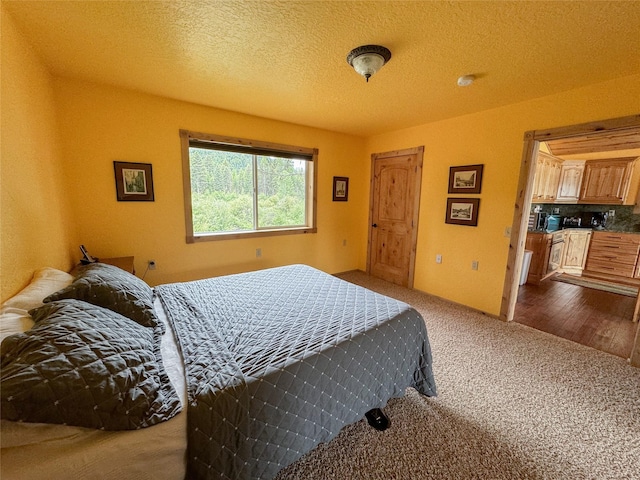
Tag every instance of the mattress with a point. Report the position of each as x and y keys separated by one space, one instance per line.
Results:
x=281 y=359
x=33 y=451
x=267 y=365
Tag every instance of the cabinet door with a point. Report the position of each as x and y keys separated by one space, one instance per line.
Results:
x=606 y=181
x=576 y=247
x=553 y=179
x=539 y=244
x=546 y=179
x=555 y=257
x=571 y=173
x=538 y=181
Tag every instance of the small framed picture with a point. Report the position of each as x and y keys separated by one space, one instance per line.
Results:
x=134 y=182
x=340 y=189
x=465 y=179
x=462 y=211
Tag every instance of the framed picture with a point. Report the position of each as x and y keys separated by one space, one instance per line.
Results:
x=340 y=189
x=465 y=179
x=462 y=211
x=134 y=182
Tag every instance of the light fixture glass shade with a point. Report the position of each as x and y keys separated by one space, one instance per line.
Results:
x=466 y=80
x=368 y=64
x=368 y=59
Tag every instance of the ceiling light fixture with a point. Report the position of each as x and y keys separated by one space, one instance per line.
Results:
x=368 y=59
x=466 y=80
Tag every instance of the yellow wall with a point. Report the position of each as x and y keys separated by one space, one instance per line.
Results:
x=35 y=224
x=61 y=136
x=493 y=138
x=100 y=124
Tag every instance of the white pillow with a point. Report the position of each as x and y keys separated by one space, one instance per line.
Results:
x=14 y=314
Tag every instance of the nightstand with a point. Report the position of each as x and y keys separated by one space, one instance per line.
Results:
x=125 y=263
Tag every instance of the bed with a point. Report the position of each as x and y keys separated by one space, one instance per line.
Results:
x=233 y=377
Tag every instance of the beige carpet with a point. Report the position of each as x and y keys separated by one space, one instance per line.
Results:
x=513 y=403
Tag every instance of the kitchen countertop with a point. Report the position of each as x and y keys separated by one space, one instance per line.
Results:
x=582 y=229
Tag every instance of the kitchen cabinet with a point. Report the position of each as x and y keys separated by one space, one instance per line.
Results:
x=546 y=178
x=576 y=247
x=614 y=256
x=606 y=181
x=547 y=252
x=540 y=245
x=571 y=173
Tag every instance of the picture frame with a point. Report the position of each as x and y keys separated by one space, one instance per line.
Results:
x=462 y=211
x=340 y=189
x=465 y=179
x=134 y=181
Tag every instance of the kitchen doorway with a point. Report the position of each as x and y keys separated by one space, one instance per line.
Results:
x=603 y=133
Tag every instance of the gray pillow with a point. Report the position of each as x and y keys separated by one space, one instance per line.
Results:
x=86 y=366
x=113 y=288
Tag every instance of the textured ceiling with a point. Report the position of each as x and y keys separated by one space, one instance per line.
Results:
x=286 y=59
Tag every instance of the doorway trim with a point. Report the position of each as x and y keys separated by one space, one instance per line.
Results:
x=523 y=199
x=419 y=152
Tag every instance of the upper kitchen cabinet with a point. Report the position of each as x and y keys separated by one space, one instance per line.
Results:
x=606 y=181
x=546 y=179
x=571 y=173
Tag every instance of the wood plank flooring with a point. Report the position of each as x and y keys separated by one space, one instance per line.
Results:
x=598 y=319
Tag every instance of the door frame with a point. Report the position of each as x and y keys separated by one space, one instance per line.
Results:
x=523 y=204
x=419 y=151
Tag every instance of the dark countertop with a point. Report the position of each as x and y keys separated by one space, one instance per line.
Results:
x=578 y=228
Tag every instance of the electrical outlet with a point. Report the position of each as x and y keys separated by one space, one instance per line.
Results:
x=151 y=264
x=612 y=213
x=258 y=252
x=344 y=242
x=438 y=258
x=474 y=265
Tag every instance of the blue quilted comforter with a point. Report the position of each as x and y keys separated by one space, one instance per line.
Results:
x=280 y=360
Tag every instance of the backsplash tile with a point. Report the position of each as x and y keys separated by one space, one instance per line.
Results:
x=623 y=221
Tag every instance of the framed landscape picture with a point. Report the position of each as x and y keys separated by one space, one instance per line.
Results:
x=134 y=182
x=340 y=189
x=465 y=179
x=462 y=211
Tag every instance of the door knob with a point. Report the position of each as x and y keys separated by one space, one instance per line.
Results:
x=375 y=225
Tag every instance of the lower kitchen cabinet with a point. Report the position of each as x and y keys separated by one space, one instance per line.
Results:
x=614 y=256
x=546 y=259
x=540 y=245
x=576 y=247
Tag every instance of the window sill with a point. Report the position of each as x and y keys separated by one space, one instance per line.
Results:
x=214 y=237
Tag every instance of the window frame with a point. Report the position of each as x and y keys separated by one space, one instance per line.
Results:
x=187 y=137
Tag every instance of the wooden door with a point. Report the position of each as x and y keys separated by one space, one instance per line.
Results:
x=395 y=199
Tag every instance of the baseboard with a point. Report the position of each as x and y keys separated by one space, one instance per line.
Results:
x=634 y=282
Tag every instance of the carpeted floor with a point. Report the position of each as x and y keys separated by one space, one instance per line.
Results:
x=513 y=403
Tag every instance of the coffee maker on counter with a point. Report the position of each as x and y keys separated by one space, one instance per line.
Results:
x=593 y=220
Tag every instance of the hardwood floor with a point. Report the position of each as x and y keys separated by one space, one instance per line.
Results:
x=598 y=319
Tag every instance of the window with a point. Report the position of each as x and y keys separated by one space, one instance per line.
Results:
x=237 y=188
